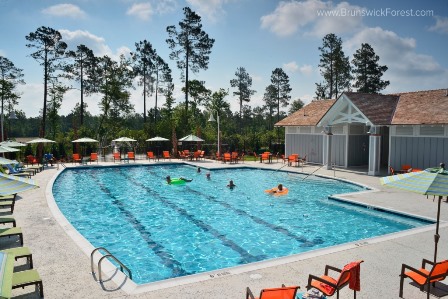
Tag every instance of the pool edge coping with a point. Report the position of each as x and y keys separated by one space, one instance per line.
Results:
x=132 y=288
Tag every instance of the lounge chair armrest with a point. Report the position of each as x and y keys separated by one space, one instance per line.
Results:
x=249 y=294
x=313 y=277
x=425 y=261
x=404 y=267
x=328 y=267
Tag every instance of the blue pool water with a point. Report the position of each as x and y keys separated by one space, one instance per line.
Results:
x=163 y=231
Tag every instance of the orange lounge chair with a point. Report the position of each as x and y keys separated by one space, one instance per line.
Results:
x=166 y=155
x=150 y=155
x=294 y=158
x=202 y=155
x=265 y=156
x=424 y=276
x=275 y=293
x=131 y=156
x=116 y=156
x=30 y=159
x=329 y=285
x=93 y=157
x=76 y=158
x=227 y=157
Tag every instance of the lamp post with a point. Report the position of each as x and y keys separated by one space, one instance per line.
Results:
x=212 y=119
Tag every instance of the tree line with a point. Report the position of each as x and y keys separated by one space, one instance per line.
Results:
x=248 y=129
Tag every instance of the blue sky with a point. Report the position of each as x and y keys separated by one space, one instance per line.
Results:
x=411 y=38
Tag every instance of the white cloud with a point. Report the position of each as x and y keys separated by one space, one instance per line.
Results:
x=64 y=10
x=211 y=9
x=306 y=69
x=165 y=6
x=309 y=16
x=441 y=25
x=95 y=43
x=291 y=67
x=143 y=11
x=407 y=68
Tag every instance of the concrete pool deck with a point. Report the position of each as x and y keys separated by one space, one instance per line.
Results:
x=65 y=267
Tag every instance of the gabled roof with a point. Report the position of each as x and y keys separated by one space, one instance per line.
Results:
x=379 y=109
x=422 y=107
x=309 y=115
x=411 y=108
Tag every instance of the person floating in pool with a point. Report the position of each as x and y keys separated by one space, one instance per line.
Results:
x=199 y=169
x=169 y=180
x=231 y=185
x=207 y=175
x=279 y=190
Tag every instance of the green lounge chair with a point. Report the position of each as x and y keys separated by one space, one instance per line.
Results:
x=8 y=219
x=8 y=201
x=13 y=231
x=8 y=204
x=21 y=252
x=26 y=278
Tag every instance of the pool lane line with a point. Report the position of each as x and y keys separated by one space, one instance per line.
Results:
x=305 y=242
x=157 y=248
x=246 y=257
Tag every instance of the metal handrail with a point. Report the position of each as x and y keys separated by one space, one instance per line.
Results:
x=108 y=255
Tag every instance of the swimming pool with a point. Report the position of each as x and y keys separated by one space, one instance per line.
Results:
x=161 y=231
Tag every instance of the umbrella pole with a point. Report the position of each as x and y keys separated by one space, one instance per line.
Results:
x=437 y=236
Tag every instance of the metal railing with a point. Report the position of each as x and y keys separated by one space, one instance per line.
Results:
x=108 y=255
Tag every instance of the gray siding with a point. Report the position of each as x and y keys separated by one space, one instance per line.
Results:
x=338 y=149
x=419 y=152
x=305 y=144
x=358 y=150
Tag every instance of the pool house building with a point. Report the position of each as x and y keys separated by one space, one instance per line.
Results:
x=372 y=130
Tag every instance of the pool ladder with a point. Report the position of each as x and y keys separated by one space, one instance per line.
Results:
x=108 y=255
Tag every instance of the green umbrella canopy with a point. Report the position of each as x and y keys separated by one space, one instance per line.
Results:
x=431 y=181
x=12 y=184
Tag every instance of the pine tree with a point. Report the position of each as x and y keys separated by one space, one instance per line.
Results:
x=335 y=68
x=242 y=83
x=190 y=46
x=367 y=71
x=50 y=50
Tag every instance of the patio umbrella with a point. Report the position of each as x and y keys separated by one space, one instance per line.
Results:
x=41 y=140
x=84 y=140
x=191 y=137
x=4 y=161
x=124 y=139
x=432 y=181
x=12 y=143
x=158 y=139
x=7 y=149
x=12 y=184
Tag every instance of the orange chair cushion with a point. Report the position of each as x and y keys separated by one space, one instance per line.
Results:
x=279 y=293
x=323 y=287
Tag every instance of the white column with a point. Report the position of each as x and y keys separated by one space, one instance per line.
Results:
x=374 y=151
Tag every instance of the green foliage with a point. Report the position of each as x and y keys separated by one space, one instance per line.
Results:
x=296 y=105
x=49 y=52
x=367 y=71
x=242 y=83
x=335 y=68
x=190 y=46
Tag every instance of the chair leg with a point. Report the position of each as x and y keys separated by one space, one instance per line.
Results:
x=401 y=286
x=429 y=290
x=41 y=288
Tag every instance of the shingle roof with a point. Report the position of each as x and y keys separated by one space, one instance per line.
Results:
x=409 y=108
x=309 y=115
x=422 y=107
x=379 y=109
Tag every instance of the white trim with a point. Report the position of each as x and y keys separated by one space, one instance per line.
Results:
x=335 y=114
